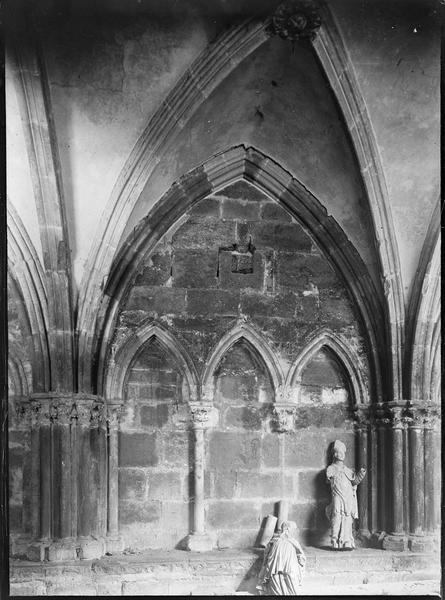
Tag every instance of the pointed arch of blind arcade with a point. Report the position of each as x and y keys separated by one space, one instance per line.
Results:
x=211 y=68
x=242 y=331
x=346 y=355
x=269 y=177
x=122 y=357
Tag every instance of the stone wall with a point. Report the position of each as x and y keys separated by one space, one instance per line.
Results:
x=235 y=255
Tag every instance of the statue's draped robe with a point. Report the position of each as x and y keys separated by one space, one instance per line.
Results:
x=283 y=566
x=343 y=507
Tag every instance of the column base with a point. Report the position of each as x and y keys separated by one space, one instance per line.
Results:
x=90 y=547
x=61 y=550
x=199 y=542
x=114 y=544
x=394 y=542
x=422 y=543
x=36 y=551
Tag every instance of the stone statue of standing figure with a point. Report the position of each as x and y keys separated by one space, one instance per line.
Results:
x=343 y=507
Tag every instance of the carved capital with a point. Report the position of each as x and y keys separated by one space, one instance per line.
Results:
x=284 y=417
x=427 y=417
x=381 y=416
x=362 y=418
x=114 y=412
x=201 y=414
x=97 y=415
x=295 y=20
x=398 y=417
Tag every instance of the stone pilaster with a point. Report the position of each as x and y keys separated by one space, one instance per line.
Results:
x=199 y=540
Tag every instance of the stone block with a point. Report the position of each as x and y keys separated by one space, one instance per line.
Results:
x=305 y=449
x=324 y=370
x=156 y=270
x=137 y=449
x=132 y=484
x=224 y=483
x=241 y=210
x=229 y=280
x=322 y=416
x=280 y=236
x=230 y=538
x=208 y=207
x=212 y=302
x=241 y=190
x=92 y=548
x=178 y=449
x=312 y=486
x=337 y=311
x=291 y=271
x=277 y=305
x=304 y=515
x=272 y=211
x=57 y=552
x=109 y=587
x=263 y=485
x=200 y=542
x=157 y=301
x=243 y=417
x=155 y=415
x=164 y=485
x=213 y=235
x=229 y=450
x=270 y=450
x=31 y=588
x=232 y=514
x=195 y=268
x=137 y=512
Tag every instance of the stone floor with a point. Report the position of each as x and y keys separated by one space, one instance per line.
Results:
x=228 y=572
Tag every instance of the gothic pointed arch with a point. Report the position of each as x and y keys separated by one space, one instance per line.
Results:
x=261 y=171
x=207 y=72
x=20 y=381
x=345 y=354
x=424 y=367
x=242 y=331
x=124 y=354
x=26 y=271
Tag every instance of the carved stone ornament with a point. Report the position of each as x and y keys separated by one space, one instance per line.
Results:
x=295 y=20
x=113 y=415
x=200 y=414
x=97 y=415
x=284 y=417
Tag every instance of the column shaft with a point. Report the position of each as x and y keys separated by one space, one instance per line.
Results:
x=198 y=525
x=417 y=490
x=45 y=481
x=112 y=481
x=397 y=480
x=363 y=488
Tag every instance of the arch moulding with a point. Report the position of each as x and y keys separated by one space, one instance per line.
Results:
x=242 y=331
x=270 y=178
x=216 y=62
x=343 y=351
x=122 y=357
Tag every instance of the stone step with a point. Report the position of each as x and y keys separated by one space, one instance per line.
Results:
x=220 y=573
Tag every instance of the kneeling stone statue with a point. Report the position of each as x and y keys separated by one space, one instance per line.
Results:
x=343 y=507
x=283 y=565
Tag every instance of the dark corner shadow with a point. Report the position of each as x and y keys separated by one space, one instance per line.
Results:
x=250 y=579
